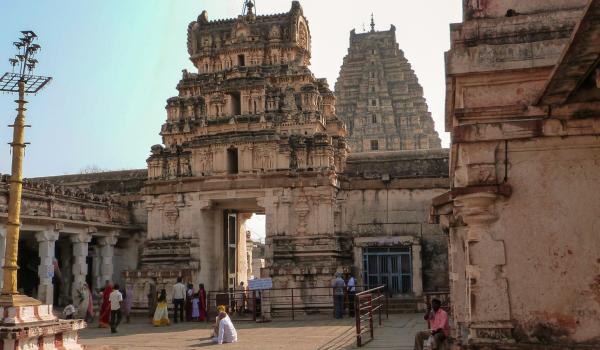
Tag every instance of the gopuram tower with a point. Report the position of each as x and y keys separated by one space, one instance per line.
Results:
x=252 y=131
x=379 y=97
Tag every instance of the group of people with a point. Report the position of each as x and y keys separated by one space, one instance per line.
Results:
x=82 y=306
x=188 y=304
x=116 y=304
x=341 y=289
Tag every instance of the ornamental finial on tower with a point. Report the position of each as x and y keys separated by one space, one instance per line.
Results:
x=248 y=6
x=372 y=23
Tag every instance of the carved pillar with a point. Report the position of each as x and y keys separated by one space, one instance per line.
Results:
x=2 y=250
x=80 y=252
x=96 y=279
x=417 y=276
x=107 y=252
x=488 y=308
x=46 y=240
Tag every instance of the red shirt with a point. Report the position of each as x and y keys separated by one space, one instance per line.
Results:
x=439 y=320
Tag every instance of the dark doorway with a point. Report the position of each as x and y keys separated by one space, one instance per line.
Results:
x=28 y=261
x=241 y=60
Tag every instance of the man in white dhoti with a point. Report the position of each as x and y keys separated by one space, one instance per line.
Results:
x=226 y=332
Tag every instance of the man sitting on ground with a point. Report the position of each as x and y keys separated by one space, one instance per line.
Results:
x=438 y=327
x=226 y=332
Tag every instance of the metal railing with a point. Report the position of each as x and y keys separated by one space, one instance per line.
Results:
x=367 y=302
x=284 y=302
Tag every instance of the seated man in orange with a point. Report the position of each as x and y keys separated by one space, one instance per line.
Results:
x=438 y=327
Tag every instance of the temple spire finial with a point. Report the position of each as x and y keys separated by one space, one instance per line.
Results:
x=372 y=23
x=248 y=6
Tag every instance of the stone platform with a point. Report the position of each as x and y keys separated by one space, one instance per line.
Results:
x=308 y=333
x=34 y=327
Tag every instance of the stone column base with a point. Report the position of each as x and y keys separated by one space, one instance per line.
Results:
x=35 y=327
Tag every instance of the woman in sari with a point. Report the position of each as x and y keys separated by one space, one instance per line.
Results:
x=105 y=308
x=84 y=303
x=188 y=302
x=161 y=315
x=202 y=299
x=128 y=302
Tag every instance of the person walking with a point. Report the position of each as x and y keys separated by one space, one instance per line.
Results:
x=178 y=299
x=188 y=302
x=127 y=302
x=202 y=299
x=351 y=289
x=338 y=286
x=161 y=314
x=105 y=307
x=116 y=301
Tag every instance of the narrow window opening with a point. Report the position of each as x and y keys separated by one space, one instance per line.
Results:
x=241 y=60
x=255 y=107
x=232 y=160
x=374 y=145
x=236 y=103
x=374 y=119
x=373 y=103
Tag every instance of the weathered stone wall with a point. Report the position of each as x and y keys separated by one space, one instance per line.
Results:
x=522 y=106
x=555 y=207
x=385 y=201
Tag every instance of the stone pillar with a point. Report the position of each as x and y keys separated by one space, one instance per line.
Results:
x=107 y=252
x=2 y=250
x=417 y=270
x=80 y=252
x=242 y=255
x=46 y=240
x=488 y=306
x=96 y=281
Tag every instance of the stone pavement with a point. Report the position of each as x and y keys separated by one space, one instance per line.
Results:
x=310 y=333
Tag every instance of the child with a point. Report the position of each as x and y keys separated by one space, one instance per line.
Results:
x=196 y=307
x=69 y=311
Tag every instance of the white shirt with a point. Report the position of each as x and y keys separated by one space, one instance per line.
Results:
x=227 y=332
x=69 y=310
x=179 y=291
x=115 y=299
x=351 y=284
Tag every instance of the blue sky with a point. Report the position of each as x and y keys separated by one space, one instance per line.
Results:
x=115 y=62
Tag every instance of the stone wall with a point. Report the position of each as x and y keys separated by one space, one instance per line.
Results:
x=385 y=201
x=522 y=214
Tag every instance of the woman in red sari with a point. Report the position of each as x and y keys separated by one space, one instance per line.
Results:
x=202 y=297
x=105 y=308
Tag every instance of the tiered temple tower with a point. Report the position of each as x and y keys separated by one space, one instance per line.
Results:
x=379 y=97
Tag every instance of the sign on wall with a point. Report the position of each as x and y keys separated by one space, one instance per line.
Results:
x=260 y=284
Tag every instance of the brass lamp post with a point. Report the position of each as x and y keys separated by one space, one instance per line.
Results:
x=21 y=82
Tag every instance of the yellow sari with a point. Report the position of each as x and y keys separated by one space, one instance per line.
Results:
x=161 y=315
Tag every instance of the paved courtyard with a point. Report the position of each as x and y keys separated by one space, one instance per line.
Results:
x=311 y=333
